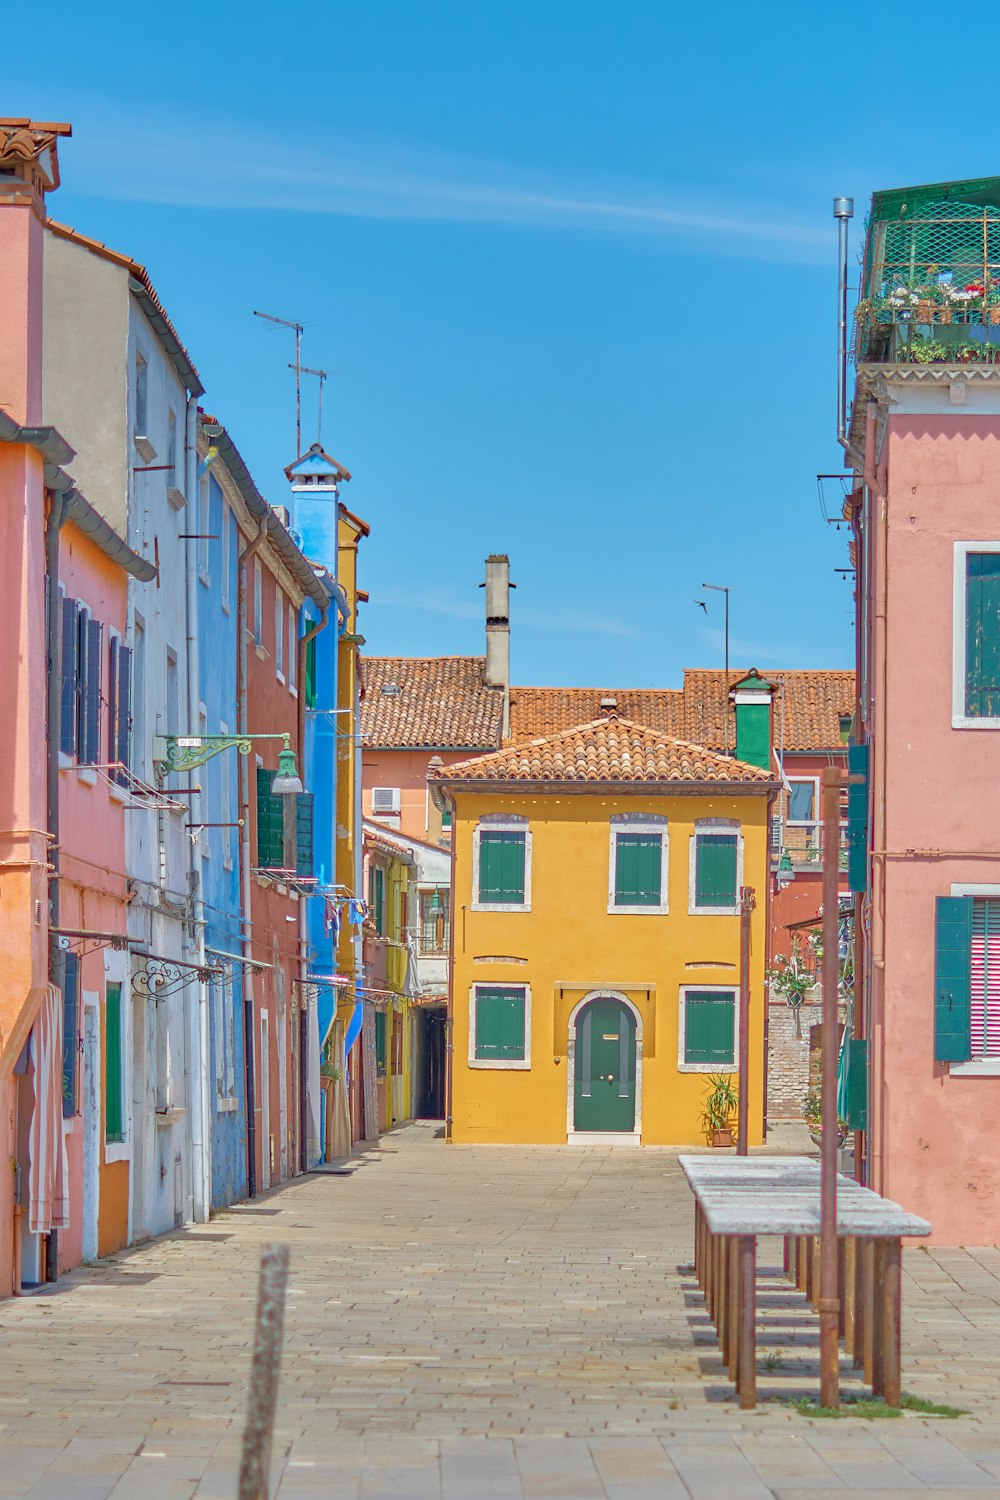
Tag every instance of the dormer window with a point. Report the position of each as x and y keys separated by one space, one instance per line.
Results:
x=390 y=690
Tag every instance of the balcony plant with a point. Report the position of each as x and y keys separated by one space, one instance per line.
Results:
x=721 y=1104
x=813 y=1113
x=920 y=350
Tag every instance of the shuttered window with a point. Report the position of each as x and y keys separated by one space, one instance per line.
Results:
x=952 y=978
x=270 y=824
x=70 y=639
x=984 y=1008
x=638 y=868
x=709 y=1027
x=119 y=707
x=304 y=833
x=114 y=1111
x=310 y=671
x=88 y=690
x=715 y=869
x=982 y=638
x=501 y=866
x=380 y=1043
x=500 y=1024
x=71 y=1032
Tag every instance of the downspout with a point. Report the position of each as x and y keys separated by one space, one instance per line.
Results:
x=449 y=1044
x=197 y=1018
x=843 y=211
x=359 y=947
x=304 y=640
x=878 y=513
x=53 y=726
x=768 y=898
x=245 y=924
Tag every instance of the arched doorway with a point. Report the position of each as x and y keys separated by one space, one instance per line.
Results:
x=605 y=1070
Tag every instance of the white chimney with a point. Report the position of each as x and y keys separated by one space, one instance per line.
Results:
x=498 y=587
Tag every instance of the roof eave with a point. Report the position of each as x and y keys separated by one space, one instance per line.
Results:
x=618 y=788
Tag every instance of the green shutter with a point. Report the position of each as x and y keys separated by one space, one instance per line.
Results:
x=709 y=1027
x=857 y=1083
x=380 y=1043
x=857 y=819
x=982 y=624
x=715 y=869
x=68 y=676
x=753 y=734
x=379 y=900
x=953 y=979
x=71 y=1031
x=638 y=865
x=113 y=1112
x=270 y=824
x=501 y=866
x=310 y=682
x=304 y=833
x=500 y=1024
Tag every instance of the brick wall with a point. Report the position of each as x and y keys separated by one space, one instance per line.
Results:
x=793 y=1055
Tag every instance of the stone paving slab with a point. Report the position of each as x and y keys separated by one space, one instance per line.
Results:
x=463 y=1322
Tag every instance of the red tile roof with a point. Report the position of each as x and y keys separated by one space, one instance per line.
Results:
x=442 y=703
x=606 y=750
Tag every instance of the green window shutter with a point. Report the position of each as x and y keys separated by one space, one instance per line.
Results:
x=68 y=677
x=304 y=833
x=857 y=1083
x=715 y=869
x=310 y=682
x=710 y=1027
x=638 y=867
x=857 y=819
x=114 y=1124
x=90 y=746
x=501 y=866
x=953 y=979
x=500 y=1024
x=71 y=1031
x=753 y=734
x=270 y=824
x=982 y=625
x=379 y=900
x=380 y=1043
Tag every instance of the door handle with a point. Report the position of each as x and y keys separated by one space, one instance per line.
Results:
x=611 y=1078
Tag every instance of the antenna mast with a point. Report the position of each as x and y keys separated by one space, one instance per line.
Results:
x=297 y=367
x=322 y=374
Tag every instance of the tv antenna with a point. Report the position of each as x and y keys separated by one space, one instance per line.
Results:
x=321 y=375
x=297 y=367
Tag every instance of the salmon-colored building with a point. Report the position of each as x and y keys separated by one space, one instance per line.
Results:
x=924 y=442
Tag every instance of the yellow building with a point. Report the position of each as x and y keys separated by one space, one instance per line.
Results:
x=596 y=935
x=390 y=981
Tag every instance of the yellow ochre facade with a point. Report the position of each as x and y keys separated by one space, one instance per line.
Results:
x=669 y=971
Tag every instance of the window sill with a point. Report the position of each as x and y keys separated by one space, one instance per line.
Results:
x=713 y=911
x=170 y=1116
x=176 y=497
x=520 y=1065
x=66 y=762
x=117 y=1151
x=636 y=911
x=227 y=1105
x=498 y=906
x=204 y=579
x=117 y=793
x=144 y=447
x=959 y=721
x=261 y=651
x=86 y=775
x=987 y=1067
x=707 y=1068
x=293 y=690
x=279 y=674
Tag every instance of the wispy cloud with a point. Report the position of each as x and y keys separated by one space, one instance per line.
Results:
x=556 y=617
x=742 y=651
x=366 y=178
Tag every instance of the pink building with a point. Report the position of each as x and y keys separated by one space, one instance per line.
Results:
x=925 y=444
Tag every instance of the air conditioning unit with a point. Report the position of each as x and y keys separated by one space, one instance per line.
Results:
x=385 y=799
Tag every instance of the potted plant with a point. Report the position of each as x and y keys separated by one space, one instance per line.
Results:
x=721 y=1105
x=813 y=1112
x=921 y=350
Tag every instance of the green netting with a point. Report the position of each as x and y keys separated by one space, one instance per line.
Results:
x=931 y=281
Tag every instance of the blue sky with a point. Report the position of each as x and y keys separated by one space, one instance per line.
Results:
x=571 y=266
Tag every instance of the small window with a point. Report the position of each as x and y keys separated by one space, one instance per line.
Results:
x=502 y=867
x=279 y=634
x=173 y=480
x=708 y=1028
x=114 y=1093
x=637 y=870
x=802 y=801
x=173 y=699
x=434 y=915
x=225 y=554
x=310 y=670
x=380 y=1043
x=119 y=749
x=982 y=635
x=376 y=897
x=71 y=1033
x=385 y=799
x=293 y=647
x=141 y=396
x=258 y=602
x=716 y=871
x=499 y=1026
x=226 y=802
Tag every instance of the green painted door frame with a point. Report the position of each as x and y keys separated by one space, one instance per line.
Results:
x=605 y=1067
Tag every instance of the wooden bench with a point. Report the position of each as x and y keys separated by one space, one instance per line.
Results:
x=738 y=1199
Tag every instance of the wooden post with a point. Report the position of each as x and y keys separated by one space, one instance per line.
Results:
x=748 y=901
x=868 y=1301
x=747 y=1335
x=889 y=1314
x=829 y=1302
x=849 y=1290
x=262 y=1400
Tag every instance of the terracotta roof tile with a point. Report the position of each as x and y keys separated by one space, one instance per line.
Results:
x=442 y=703
x=813 y=703
x=605 y=750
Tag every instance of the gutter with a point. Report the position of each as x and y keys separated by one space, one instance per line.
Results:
x=438 y=789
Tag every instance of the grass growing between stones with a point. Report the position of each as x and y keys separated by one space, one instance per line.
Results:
x=872 y=1408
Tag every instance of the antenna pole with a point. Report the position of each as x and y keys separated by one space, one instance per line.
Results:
x=321 y=375
x=723 y=588
x=297 y=367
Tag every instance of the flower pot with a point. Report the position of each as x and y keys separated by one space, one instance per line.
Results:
x=994 y=314
x=722 y=1137
x=945 y=315
x=925 y=312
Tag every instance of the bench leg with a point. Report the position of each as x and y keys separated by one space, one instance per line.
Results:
x=848 y=1290
x=733 y=1308
x=747 y=1352
x=868 y=1300
x=841 y=1287
x=860 y=1306
x=885 y=1341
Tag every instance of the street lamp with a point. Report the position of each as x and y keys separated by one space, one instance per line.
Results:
x=183 y=752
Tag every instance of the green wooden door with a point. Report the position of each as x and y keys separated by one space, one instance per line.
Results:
x=605 y=1067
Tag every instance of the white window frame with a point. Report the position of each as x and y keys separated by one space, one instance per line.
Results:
x=175 y=491
x=978 y=1067
x=500 y=1065
x=803 y=822
x=258 y=603
x=279 y=633
x=959 y=718
x=226 y=801
x=501 y=823
x=138 y=766
x=224 y=1021
x=116 y=971
x=293 y=649
x=647 y=823
x=225 y=559
x=701 y=989
x=714 y=825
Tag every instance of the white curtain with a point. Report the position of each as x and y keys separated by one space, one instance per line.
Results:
x=48 y=1174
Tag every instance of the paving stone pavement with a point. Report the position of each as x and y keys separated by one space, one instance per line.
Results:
x=499 y=1322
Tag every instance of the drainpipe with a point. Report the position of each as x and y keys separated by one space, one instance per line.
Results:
x=449 y=1042
x=843 y=211
x=359 y=857
x=878 y=690
x=304 y=640
x=197 y=1014
x=53 y=725
x=241 y=718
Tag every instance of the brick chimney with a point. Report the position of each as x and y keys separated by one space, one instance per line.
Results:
x=498 y=587
x=29 y=158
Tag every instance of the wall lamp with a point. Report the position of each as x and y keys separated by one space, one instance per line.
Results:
x=183 y=752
